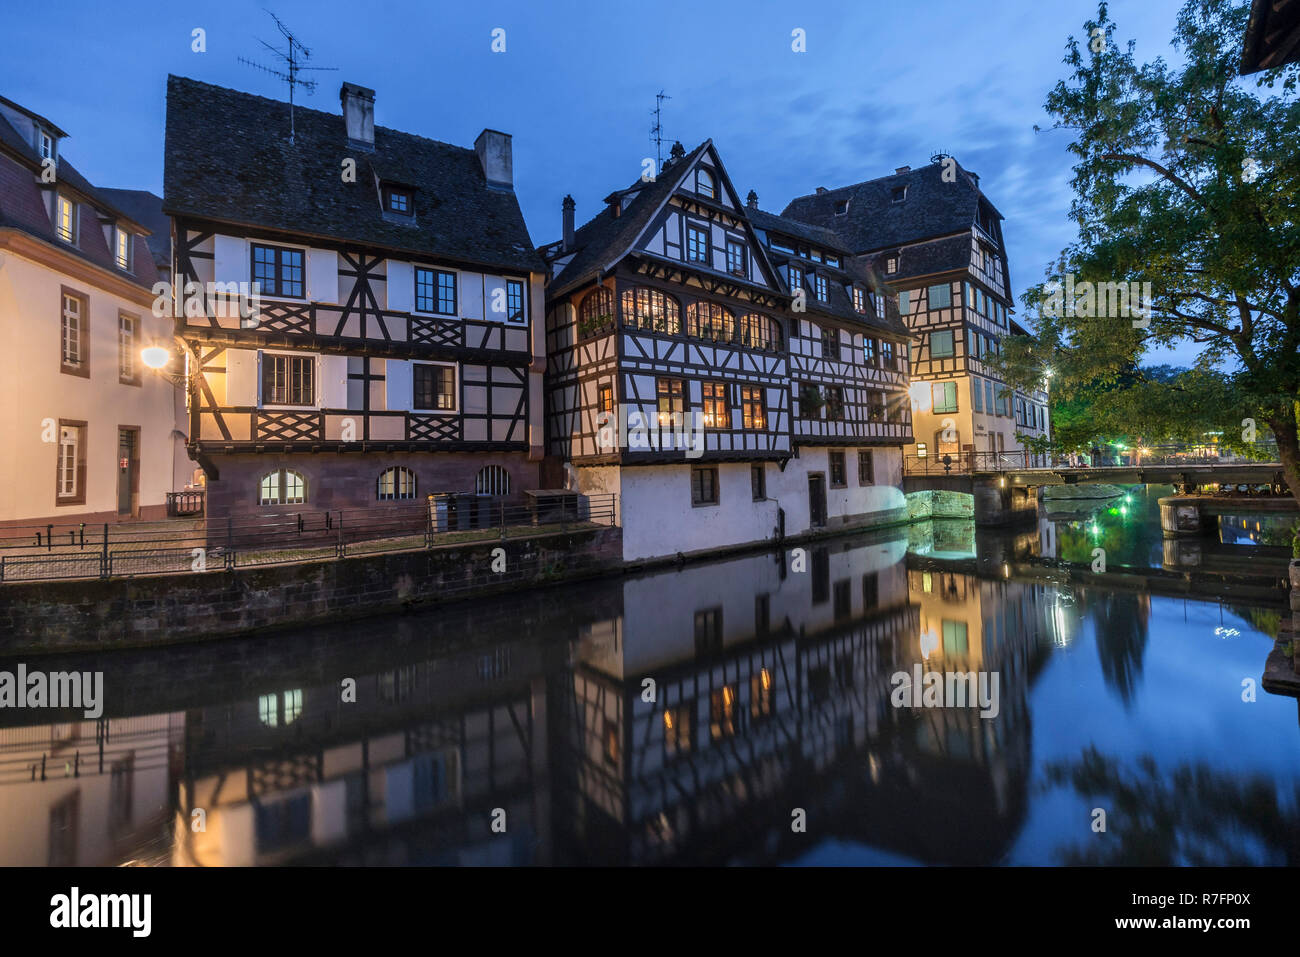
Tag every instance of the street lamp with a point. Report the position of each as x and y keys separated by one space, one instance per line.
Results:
x=157 y=358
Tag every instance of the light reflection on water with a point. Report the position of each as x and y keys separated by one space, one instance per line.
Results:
x=687 y=715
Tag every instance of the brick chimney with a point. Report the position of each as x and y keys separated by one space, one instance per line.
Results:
x=496 y=158
x=568 y=207
x=358 y=113
x=752 y=200
x=902 y=169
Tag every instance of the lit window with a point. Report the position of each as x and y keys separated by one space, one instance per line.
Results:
x=122 y=248
x=859 y=300
x=677 y=730
x=434 y=387
x=705 y=184
x=756 y=331
x=751 y=407
x=671 y=395
x=67 y=220
x=282 y=487
x=708 y=320
x=651 y=309
x=723 y=712
x=396 y=482
x=891 y=264
x=607 y=398
x=760 y=694
x=596 y=312
x=714 y=409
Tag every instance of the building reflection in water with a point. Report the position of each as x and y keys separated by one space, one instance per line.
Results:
x=678 y=716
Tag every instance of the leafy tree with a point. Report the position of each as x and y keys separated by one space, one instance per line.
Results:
x=1189 y=180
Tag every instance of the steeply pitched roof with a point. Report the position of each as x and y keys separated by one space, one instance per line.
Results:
x=606 y=236
x=22 y=206
x=838 y=304
x=874 y=220
x=228 y=158
x=146 y=208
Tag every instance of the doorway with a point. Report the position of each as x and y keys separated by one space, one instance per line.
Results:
x=128 y=470
x=817 y=501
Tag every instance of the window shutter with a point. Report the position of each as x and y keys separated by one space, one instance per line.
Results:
x=398 y=380
x=243 y=375
x=401 y=286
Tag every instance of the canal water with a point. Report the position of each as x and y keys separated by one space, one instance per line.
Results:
x=765 y=709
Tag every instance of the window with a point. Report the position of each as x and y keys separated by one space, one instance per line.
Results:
x=835 y=403
x=756 y=331
x=122 y=248
x=841 y=207
x=66 y=219
x=514 y=300
x=714 y=409
x=859 y=300
x=891 y=264
x=435 y=291
x=940 y=296
x=705 y=184
x=70 y=482
x=821 y=575
x=708 y=631
x=704 y=486
x=645 y=308
x=278 y=271
x=760 y=691
x=736 y=258
x=795 y=275
x=944 y=396
x=398 y=200
x=47 y=145
x=708 y=320
x=866 y=468
x=126 y=368
x=758 y=482
x=677 y=730
x=724 y=712
x=606 y=393
x=830 y=340
x=989 y=407
x=887 y=354
x=904 y=302
x=596 y=313
x=976 y=390
x=876 y=409
x=898 y=194
x=74 y=335
x=752 y=413
x=954 y=638
x=837 y=470
x=492 y=480
x=697 y=244
x=396 y=482
x=672 y=400
x=842 y=598
x=869 y=350
x=763 y=615
x=282 y=487
x=434 y=387
x=288 y=380
x=819 y=283
x=870 y=590
x=941 y=344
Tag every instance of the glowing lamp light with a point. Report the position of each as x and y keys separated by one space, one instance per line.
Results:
x=155 y=357
x=920 y=395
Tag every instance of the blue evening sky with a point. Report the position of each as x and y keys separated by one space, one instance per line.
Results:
x=881 y=85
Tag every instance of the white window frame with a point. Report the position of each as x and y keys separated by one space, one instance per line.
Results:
x=455 y=373
x=68 y=450
x=60 y=203
x=71 y=334
x=122 y=256
x=126 y=347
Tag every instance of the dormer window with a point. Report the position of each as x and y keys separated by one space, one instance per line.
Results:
x=819 y=283
x=891 y=264
x=46 y=145
x=859 y=300
x=122 y=248
x=65 y=221
x=796 y=277
x=705 y=184
x=898 y=194
x=841 y=207
x=398 y=200
x=736 y=258
x=833 y=262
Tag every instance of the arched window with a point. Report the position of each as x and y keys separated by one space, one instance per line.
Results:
x=396 y=482
x=705 y=184
x=708 y=320
x=645 y=308
x=492 y=480
x=759 y=332
x=596 y=312
x=282 y=487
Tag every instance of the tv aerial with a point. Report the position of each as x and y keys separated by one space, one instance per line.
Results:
x=293 y=59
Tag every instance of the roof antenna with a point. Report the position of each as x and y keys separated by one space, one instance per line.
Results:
x=657 y=131
x=296 y=53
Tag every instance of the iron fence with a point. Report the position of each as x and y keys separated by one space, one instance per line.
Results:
x=63 y=551
x=965 y=463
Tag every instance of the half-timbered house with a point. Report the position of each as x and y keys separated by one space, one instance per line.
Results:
x=934 y=237
x=669 y=381
x=383 y=340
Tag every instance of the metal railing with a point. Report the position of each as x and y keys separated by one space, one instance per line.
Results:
x=965 y=463
x=286 y=535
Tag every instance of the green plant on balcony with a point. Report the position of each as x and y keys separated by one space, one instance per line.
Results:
x=595 y=325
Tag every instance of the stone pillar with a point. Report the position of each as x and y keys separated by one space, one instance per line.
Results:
x=1180 y=516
